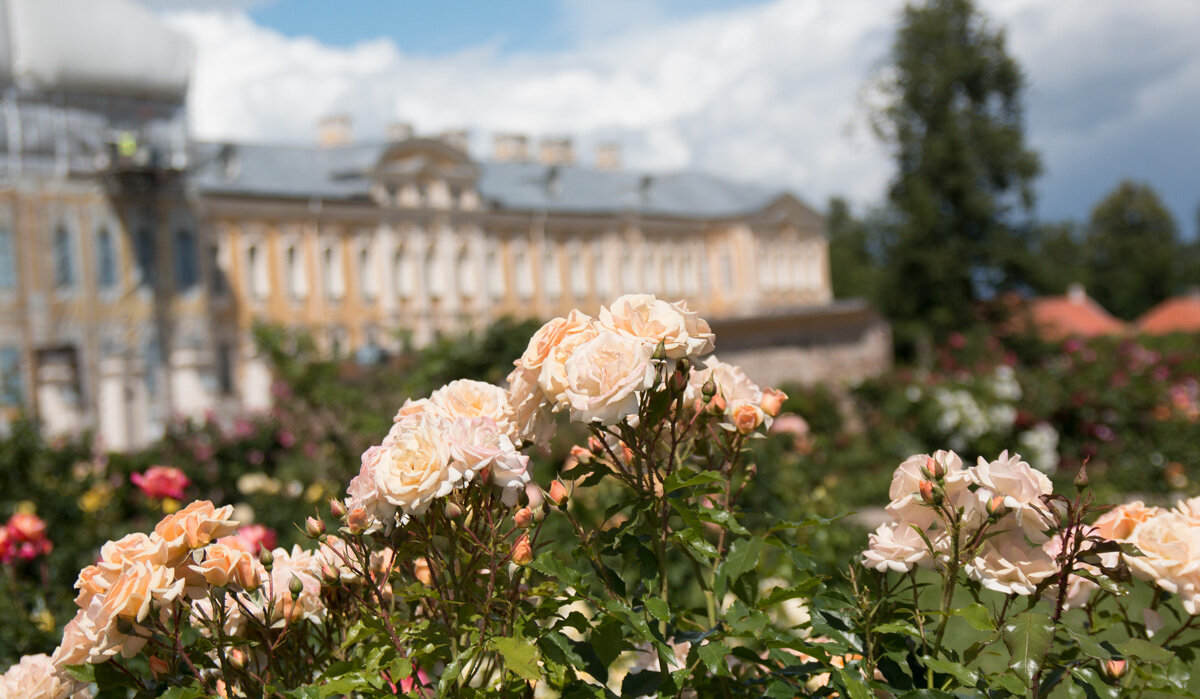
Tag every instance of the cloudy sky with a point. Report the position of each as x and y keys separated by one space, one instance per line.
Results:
x=776 y=91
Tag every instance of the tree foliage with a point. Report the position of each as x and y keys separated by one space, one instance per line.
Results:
x=954 y=120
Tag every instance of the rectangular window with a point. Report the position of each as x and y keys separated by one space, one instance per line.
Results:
x=294 y=269
x=11 y=380
x=64 y=261
x=217 y=281
x=331 y=273
x=225 y=368
x=144 y=249
x=8 y=261
x=106 y=259
x=256 y=273
x=366 y=275
x=187 y=273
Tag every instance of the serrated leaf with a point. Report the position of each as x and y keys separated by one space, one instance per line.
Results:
x=965 y=676
x=743 y=557
x=642 y=683
x=658 y=608
x=1028 y=638
x=713 y=655
x=1137 y=648
x=181 y=693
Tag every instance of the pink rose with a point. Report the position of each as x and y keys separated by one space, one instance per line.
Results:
x=160 y=482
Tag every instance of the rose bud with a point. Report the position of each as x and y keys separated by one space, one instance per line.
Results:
x=660 y=352
x=357 y=520
x=237 y=657
x=453 y=510
x=927 y=492
x=296 y=586
x=995 y=508
x=422 y=572
x=1113 y=668
x=716 y=406
x=772 y=401
x=582 y=455
x=522 y=552
x=679 y=381
x=523 y=517
x=935 y=468
x=1081 y=479
x=708 y=390
x=558 y=493
x=595 y=446
x=314 y=527
x=266 y=558
x=337 y=508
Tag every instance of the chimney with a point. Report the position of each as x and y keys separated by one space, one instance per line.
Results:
x=397 y=131
x=557 y=151
x=456 y=138
x=1076 y=293
x=510 y=147
x=608 y=156
x=334 y=130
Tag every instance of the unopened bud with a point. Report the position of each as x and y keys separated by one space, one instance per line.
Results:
x=237 y=657
x=716 y=406
x=772 y=401
x=558 y=493
x=935 y=468
x=357 y=520
x=1081 y=479
x=422 y=572
x=337 y=508
x=453 y=510
x=314 y=527
x=928 y=493
x=124 y=627
x=679 y=381
x=1113 y=668
x=595 y=445
x=296 y=586
x=266 y=558
x=523 y=517
x=660 y=352
x=522 y=552
x=995 y=507
x=683 y=365
x=533 y=491
x=708 y=390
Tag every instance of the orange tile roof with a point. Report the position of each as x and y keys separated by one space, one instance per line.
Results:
x=1180 y=314
x=1058 y=317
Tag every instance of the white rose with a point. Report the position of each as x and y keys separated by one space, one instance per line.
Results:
x=604 y=377
x=475 y=444
x=1007 y=564
x=36 y=677
x=467 y=399
x=415 y=469
x=907 y=505
x=895 y=546
x=682 y=332
x=730 y=381
x=1021 y=487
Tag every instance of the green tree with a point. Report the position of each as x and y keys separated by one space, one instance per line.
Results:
x=954 y=121
x=853 y=264
x=1133 y=250
x=1056 y=258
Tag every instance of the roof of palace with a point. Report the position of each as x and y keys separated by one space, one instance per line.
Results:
x=1074 y=314
x=345 y=172
x=1180 y=314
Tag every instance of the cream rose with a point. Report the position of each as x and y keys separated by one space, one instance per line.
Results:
x=1020 y=486
x=196 y=525
x=301 y=565
x=89 y=637
x=895 y=546
x=1007 y=564
x=550 y=336
x=465 y=398
x=532 y=422
x=415 y=470
x=36 y=677
x=552 y=377
x=906 y=504
x=644 y=317
x=362 y=492
x=604 y=376
x=1170 y=546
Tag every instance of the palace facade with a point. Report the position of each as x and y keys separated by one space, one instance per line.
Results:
x=135 y=261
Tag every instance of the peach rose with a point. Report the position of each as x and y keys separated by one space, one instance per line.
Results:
x=1007 y=564
x=422 y=572
x=552 y=377
x=604 y=376
x=139 y=585
x=1119 y=522
x=648 y=319
x=1022 y=488
x=36 y=677
x=224 y=564
x=362 y=492
x=906 y=503
x=772 y=401
x=465 y=398
x=196 y=525
x=114 y=557
x=746 y=417
x=895 y=546
x=301 y=565
x=415 y=470
x=89 y=637
x=548 y=337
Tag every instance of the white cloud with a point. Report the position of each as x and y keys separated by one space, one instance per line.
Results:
x=771 y=93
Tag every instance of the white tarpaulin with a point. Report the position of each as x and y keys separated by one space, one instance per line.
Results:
x=93 y=46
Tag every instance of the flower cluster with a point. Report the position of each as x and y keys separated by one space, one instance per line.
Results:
x=994 y=517
x=1168 y=541
x=23 y=538
x=37 y=677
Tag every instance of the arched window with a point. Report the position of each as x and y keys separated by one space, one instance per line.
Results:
x=405 y=276
x=187 y=272
x=256 y=273
x=551 y=274
x=331 y=272
x=146 y=252
x=435 y=281
x=106 y=259
x=368 y=282
x=465 y=267
x=294 y=270
x=521 y=272
x=64 y=263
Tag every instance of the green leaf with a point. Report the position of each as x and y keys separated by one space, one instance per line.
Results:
x=181 y=693
x=743 y=557
x=1090 y=647
x=640 y=684
x=520 y=655
x=658 y=609
x=965 y=676
x=900 y=627
x=84 y=673
x=676 y=481
x=1090 y=685
x=855 y=687
x=713 y=655
x=977 y=616
x=1137 y=648
x=1028 y=638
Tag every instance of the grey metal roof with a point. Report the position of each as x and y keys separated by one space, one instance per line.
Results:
x=341 y=173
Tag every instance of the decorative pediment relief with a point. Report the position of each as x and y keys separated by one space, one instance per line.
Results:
x=785 y=212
